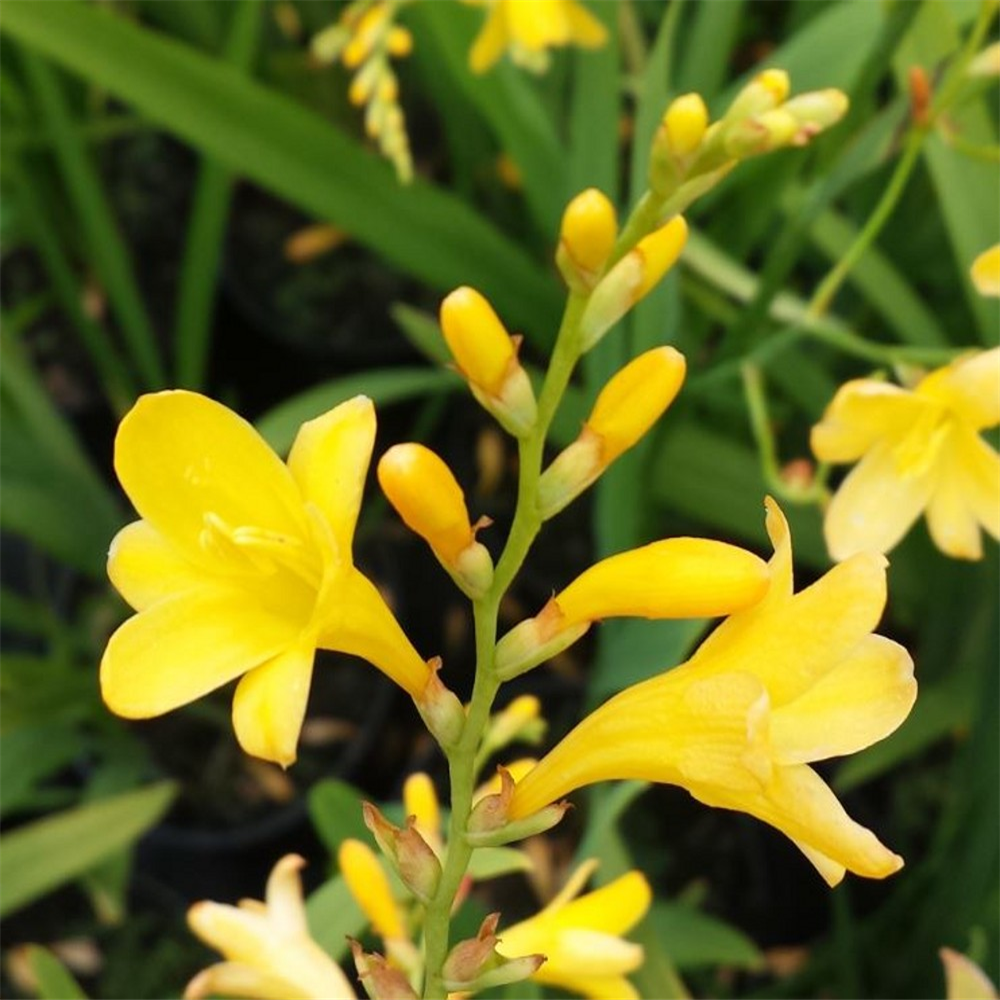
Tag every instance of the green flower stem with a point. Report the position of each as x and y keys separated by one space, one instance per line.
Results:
x=462 y=758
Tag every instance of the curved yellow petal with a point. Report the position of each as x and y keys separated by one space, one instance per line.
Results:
x=964 y=980
x=234 y=932
x=673 y=578
x=490 y=42
x=538 y=24
x=977 y=465
x=329 y=461
x=240 y=979
x=799 y=803
x=180 y=455
x=367 y=881
x=145 y=568
x=969 y=386
x=601 y=987
x=791 y=644
x=862 y=412
x=584 y=28
x=952 y=518
x=858 y=703
x=270 y=704
x=582 y=952
x=875 y=505
x=614 y=908
x=283 y=896
x=832 y=872
x=364 y=626
x=986 y=271
x=185 y=646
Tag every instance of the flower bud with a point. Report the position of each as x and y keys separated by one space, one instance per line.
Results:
x=368 y=884
x=684 y=124
x=632 y=278
x=520 y=720
x=761 y=134
x=586 y=238
x=421 y=802
x=441 y=711
x=489 y=825
x=486 y=355
x=632 y=401
x=408 y=853
x=400 y=41
x=327 y=46
x=817 y=110
x=474 y=965
x=986 y=271
x=766 y=91
x=427 y=497
x=673 y=578
x=381 y=980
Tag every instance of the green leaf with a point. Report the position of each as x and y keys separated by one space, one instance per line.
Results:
x=292 y=152
x=334 y=916
x=53 y=979
x=30 y=754
x=41 y=856
x=693 y=939
x=383 y=386
x=335 y=809
x=422 y=330
x=492 y=862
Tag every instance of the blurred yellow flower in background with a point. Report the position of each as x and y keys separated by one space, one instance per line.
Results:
x=269 y=953
x=242 y=565
x=526 y=29
x=986 y=271
x=919 y=450
x=791 y=679
x=581 y=937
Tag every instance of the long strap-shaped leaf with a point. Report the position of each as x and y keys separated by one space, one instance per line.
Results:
x=292 y=152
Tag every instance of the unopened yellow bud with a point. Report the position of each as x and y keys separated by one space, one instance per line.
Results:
x=399 y=42
x=766 y=132
x=486 y=355
x=587 y=237
x=776 y=82
x=365 y=35
x=420 y=801
x=631 y=279
x=763 y=93
x=632 y=401
x=685 y=123
x=364 y=83
x=327 y=46
x=986 y=271
x=367 y=881
x=673 y=578
x=428 y=498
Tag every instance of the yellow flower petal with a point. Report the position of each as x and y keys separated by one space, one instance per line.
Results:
x=238 y=979
x=237 y=933
x=858 y=703
x=538 y=24
x=585 y=953
x=673 y=578
x=875 y=505
x=364 y=626
x=986 y=271
x=185 y=646
x=951 y=517
x=602 y=987
x=861 y=413
x=584 y=28
x=978 y=466
x=964 y=979
x=614 y=908
x=799 y=803
x=969 y=386
x=329 y=460
x=832 y=872
x=270 y=704
x=283 y=900
x=490 y=42
x=179 y=455
x=145 y=568
x=369 y=885
x=420 y=801
x=791 y=644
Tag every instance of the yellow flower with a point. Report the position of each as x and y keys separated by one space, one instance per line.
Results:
x=792 y=679
x=269 y=953
x=986 y=271
x=527 y=28
x=369 y=885
x=581 y=939
x=242 y=565
x=964 y=980
x=920 y=450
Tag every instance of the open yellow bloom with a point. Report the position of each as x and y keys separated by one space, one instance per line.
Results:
x=919 y=450
x=269 y=953
x=792 y=679
x=241 y=565
x=527 y=28
x=582 y=939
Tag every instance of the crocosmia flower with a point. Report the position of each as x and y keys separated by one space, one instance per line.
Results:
x=582 y=937
x=920 y=450
x=241 y=566
x=269 y=953
x=528 y=28
x=792 y=679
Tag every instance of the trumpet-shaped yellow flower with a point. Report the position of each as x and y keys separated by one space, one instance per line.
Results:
x=582 y=938
x=269 y=953
x=792 y=679
x=241 y=566
x=919 y=450
x=527 y=28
